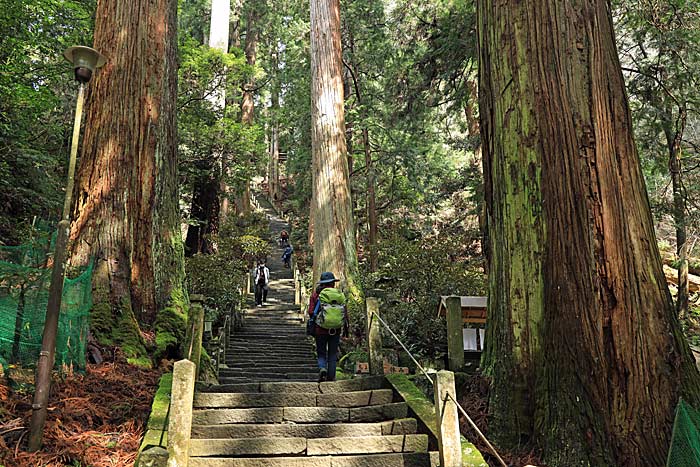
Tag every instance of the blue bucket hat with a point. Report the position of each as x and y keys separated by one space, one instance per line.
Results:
x=328 y=278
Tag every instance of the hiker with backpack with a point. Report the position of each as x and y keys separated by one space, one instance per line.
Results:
x=287 y=256
x=328 y=317
x=262 y=281
x=284 y=238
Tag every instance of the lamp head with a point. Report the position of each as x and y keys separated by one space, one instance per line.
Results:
x=85 y=61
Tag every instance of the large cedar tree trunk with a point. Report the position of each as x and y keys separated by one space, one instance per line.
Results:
x=126 y=213
x=333 y=231
x=587 y=357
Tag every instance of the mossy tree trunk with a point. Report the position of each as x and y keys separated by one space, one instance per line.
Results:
x=587 y=357
x=333 y=225
x=126 y=213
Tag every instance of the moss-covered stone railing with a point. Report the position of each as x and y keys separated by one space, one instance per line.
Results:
x=424 y=411
x=153 y=450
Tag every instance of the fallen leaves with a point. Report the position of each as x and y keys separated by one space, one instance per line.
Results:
x=94 y=420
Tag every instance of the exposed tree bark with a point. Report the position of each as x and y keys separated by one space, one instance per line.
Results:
x=673 y=138
x=584 y=347
x=248 y=103
x=333 y=226
x=126 y=213
x=235 y=24
x=273 y=166
x=204 y=211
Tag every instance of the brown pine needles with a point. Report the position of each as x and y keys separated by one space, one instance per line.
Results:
x=95 y=420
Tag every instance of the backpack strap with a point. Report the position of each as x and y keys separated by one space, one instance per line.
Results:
x=316 y=308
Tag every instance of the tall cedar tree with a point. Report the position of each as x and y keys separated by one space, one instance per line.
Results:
x=587 y=357
x=248 y=101
x=333 y=231
x=126 y=215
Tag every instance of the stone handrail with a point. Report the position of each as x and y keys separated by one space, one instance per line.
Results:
x=185 y=373
x=446 y=406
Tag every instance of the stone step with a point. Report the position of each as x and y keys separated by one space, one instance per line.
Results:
x=255 y=379
x=308 y=367
x=403 y=426
x=265 y=361
x=365 y=383
x=414 y=459
x=270 y=374
x=253 y=349
x=267 y=372
x=286 y=446
x=375 y=413
x=277 y=336
x=258 y=399
x=239 y=340
x=263 y=354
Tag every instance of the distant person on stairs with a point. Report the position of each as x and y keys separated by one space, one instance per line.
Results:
x=262 y=282
x=284 y=238
x=329 y=314
x=287 y=256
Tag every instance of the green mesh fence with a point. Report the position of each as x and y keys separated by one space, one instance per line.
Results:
x=24 y=290
x=685 y=440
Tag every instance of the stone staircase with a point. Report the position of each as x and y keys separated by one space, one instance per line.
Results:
x=270 y=411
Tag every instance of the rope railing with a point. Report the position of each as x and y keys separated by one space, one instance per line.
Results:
x=430 y=378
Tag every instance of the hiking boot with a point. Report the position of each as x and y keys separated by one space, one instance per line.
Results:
x=322 y=375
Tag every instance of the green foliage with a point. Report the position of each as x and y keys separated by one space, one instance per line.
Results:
x=218 y=276
x=414 y=272
x=37 y=95
x=659 y=47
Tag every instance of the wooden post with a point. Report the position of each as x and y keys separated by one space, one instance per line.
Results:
x=297 y=288
x=455 y=344
x=374 y=338
x=449 y=441
x=248 y=283
x=195 y=325
x=180 y=418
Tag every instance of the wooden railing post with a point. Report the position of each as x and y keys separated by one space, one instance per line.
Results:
x=196 y=325
x=297 y=288
x=449 y=441
x=374 y=337
x=455 y=343
x=180 y=420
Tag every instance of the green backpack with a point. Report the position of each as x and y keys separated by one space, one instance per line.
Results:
x=331 y=311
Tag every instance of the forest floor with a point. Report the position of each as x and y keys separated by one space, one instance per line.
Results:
x=95 y=419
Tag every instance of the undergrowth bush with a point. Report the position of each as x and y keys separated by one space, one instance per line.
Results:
x=220 y=277
x=414 y=272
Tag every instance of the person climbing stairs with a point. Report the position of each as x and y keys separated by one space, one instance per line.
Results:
x=269 y=410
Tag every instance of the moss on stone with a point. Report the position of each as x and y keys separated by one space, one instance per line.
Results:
x=425 y=412
x=207 y=372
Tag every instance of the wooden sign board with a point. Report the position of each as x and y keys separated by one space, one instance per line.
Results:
x=473 y=309
x=363 y=368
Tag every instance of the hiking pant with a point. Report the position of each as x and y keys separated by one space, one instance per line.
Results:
x=327 y=350
x=260 y=294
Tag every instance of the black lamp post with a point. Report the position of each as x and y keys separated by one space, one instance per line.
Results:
x=85 y=61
